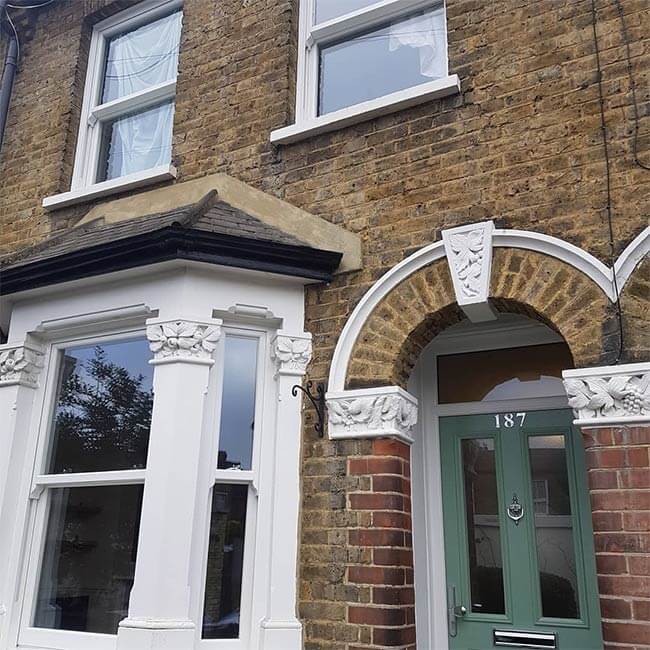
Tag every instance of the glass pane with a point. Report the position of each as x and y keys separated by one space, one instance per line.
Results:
x=483 y=527
x=399 y=55
x=143 y=57
x=225 y=562
x=554 y=527
x=328 y=9
x=136 y=142
x=533 y=371
x=103 y=408
x=238 y=403
x=89 y=558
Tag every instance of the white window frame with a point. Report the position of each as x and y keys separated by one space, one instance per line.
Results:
x=94 y=114
x=251 y=478
x=41 y=483
x=311 y=37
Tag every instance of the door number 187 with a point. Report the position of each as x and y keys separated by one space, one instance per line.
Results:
x=508 y=419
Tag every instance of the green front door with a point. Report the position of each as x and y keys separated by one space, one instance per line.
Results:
x=518 y=538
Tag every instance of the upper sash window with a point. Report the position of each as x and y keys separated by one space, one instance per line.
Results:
x=390 y=56
x=359 y=59
x=125 y=133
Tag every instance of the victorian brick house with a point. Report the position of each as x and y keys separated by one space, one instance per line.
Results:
x=436 y=213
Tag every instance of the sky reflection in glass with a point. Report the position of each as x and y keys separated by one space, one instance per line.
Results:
x=238 y=403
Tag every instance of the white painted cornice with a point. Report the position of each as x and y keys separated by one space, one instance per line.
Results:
x=185 y=341
x=291 y=353
x=609 y=395
x=20 y=365
x=599 y=273
x=372 y=413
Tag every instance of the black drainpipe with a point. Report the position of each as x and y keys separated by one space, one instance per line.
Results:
x=9 y=71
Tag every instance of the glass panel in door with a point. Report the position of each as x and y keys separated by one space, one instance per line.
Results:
x=554 y=530
x=483 y=527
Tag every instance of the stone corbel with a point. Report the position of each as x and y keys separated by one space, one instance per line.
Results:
x=609 y=395
x=20 y=365
x=372 y=413
x=469 y=255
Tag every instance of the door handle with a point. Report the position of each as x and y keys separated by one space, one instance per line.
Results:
x=454 y=611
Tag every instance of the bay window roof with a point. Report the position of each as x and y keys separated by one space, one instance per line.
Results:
x=210 y=231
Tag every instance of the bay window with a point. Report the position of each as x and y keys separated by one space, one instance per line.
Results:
x=152 y=492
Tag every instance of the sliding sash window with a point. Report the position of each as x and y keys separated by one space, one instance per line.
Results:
x=87 y=493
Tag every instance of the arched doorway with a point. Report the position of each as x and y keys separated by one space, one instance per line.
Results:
x=502 y=525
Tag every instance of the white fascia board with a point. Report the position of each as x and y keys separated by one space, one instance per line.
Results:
x=366 y=110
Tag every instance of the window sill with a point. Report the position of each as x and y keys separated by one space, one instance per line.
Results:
x=105 y=188
x=366 y=110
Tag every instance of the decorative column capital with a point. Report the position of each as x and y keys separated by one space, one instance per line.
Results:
x=383 y=412
x=609 y=395
x=469 y=255
x=291 y=353
x=183 y=340
x=20 y=364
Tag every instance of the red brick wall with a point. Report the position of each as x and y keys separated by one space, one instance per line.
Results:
x=385 y=567
x=618 y=461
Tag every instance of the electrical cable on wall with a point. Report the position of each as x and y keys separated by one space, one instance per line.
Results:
x=630 y=74
x=608 y=182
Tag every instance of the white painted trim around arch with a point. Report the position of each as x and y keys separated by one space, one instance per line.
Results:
x=580 y=259
x=631 y=257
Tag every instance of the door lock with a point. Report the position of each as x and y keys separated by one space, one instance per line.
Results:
x=454 y=611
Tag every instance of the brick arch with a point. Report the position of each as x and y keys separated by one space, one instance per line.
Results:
x=636 y=324
x=523 y=281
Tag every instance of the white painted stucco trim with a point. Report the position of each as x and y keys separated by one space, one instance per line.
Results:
x=580 y=259
x=631 y=257
x=609 y=395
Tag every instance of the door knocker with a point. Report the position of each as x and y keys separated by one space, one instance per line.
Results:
x=515 y=510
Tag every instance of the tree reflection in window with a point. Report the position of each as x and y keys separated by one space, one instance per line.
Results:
x=103 y=410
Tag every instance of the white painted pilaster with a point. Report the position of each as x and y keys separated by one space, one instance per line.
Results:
x=159 y=608
x=609 y=395
x=281 y=629
x=385 y=412
x=20 y=366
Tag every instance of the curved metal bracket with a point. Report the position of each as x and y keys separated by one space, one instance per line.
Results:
x=318 y=402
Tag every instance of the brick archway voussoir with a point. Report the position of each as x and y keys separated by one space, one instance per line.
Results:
x=538 y=286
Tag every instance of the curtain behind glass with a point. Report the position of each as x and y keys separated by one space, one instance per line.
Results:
x=143 y=57
x=426 y=34
x=137 y=142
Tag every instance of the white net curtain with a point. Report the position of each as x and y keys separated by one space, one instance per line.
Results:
x=424 y=33
x=135 y=62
